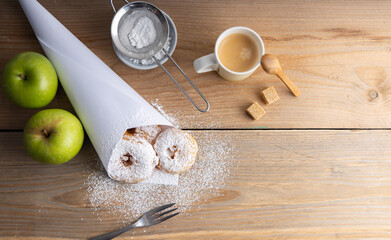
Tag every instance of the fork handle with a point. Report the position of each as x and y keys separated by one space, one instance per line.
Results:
x=112 y=235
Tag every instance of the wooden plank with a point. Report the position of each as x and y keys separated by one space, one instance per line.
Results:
x=286 y=184
x=336 y=52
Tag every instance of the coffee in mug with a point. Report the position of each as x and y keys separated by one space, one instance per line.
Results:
x=238 y=52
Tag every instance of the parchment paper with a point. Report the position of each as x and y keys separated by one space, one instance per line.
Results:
x=105 y=104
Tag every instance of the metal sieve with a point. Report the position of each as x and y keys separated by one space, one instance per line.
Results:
x=122 y=46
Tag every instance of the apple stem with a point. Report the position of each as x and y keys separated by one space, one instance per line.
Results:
x=22 y=76
x=45 y=133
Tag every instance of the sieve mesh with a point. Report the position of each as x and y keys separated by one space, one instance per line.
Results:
x=120 y=30
x=126 y=24
x=124 y=21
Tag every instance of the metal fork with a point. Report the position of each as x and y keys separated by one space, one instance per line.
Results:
x=150 y=218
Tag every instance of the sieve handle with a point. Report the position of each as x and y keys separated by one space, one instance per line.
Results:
x=179 y=86
x=112 y=5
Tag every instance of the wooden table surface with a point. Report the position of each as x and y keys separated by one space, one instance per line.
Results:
x=314 y=167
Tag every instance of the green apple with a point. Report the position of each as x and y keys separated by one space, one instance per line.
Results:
x=53 y=136
x=29 y=80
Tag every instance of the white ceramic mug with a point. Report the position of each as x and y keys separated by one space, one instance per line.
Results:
x=212 y=62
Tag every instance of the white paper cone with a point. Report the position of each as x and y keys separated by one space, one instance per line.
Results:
x=105 y=104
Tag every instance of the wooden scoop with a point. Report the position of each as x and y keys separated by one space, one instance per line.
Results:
x=271 y=65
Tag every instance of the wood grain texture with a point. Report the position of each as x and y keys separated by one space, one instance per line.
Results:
x=287 y=184
x=337 y=52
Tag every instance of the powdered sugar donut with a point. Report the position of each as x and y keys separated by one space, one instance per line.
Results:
x=149 y=133
x=176 y=149
x=132 y=160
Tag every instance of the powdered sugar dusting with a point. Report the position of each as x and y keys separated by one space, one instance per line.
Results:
x=181 y=120
x=176 y=150
x=132 y=160
x=210 y=172
x=149 y=133
x=143 y=33
x=170 y=117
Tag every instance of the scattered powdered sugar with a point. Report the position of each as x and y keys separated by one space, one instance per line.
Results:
x=210 y=172
x=170 y=117
x=181 y=120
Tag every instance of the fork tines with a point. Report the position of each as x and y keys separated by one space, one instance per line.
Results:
x=162 y=216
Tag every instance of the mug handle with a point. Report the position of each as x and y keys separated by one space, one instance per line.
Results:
x=206 y=63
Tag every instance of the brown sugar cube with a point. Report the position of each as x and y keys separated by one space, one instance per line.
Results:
x=269 y=95
x=255 y=111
